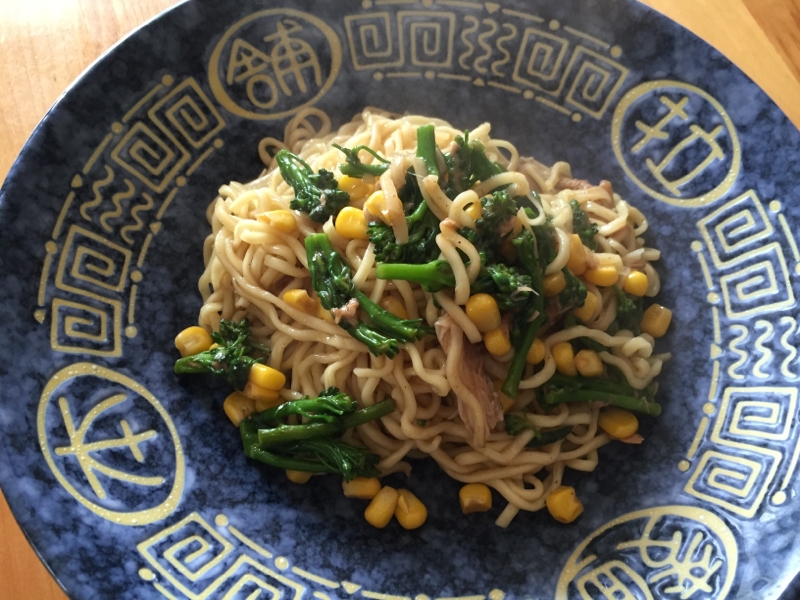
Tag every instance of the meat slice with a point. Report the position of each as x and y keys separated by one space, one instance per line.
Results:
x=348 y=312
x=478 y=405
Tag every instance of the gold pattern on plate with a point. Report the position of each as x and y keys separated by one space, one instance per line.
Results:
x=681 y=549
x=86 y=453
x=692 y=130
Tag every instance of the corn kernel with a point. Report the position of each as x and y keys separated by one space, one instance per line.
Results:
x=300 y=300
x=256 y=392
x=474 y=210
x=380 y=510
x=618 y=423
x=410 y=511
x=324 y=314
x=394 y=306
x=475 y=497
x=635 y=283
x=482 y=310
x=505 y=401
x=536 y=353
x=554 y=284
x=267 y=377
x=282 y=220
x=586 y=312
x=563 y=504
x=193 y=340
x=602 y=276
x=351 y=223
x=576 y=262
x=656 y=320
x=237 y=407
x=588 y=363
x=564 y=356
x=298 y=476
x=497 y=342
x=376 y=205
x=364 y=488
x=517 y=228
x=356 y=187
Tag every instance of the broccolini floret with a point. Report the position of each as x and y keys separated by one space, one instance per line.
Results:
x=314 y=446
x=235 y=353
x=468 y=164
x=353 y=166
x=629 y=311
x=316 y=194
x=581 y=225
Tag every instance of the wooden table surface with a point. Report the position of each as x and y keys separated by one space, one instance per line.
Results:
x=46 y=44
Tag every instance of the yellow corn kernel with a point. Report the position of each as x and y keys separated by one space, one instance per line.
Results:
x=635 y=283
x=256 y=392
x=267 y=377
x=505 y=401
x=576 y=262
x=656 y=320
x=475 y=497
x=603 y=276
x=380 y=510
x=517 y=229
x=193 y=340
x=586 y=312
x=364 y=488
x=394 y=306
x=588 y=363
x=410 y=511
x=356 y=187
x=563 y=504
x=536 y=353
x=497 y=342
x=565 y=359
x=237 y=406
x=351 y=223
x=376 y=205
x=474 y=210
x=482 y=310
x=324 y=314
x=554 y=284
x=618 y=423
x=300 y=300
x=298 y=476
x=282 y=220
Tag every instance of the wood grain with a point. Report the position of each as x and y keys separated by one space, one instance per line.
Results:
x=46 y=44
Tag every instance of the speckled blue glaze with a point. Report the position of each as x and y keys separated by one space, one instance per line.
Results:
x=313 y=526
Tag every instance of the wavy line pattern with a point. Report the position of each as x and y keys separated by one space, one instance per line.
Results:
x=117 y=212
x=98 y=197
x=766 y=353
x=499 y=44
x=147 y=205
x=471 y=47
x=792 y=323
x=733 y=370
x=478 y=64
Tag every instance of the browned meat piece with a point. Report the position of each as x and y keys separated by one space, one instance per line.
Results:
x=347 y=312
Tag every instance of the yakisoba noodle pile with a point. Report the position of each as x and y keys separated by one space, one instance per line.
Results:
x=251 y=264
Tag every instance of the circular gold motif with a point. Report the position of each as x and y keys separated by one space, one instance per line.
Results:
x=266 y=67
x=642 y=553
x=79 y=448
x=683 y=130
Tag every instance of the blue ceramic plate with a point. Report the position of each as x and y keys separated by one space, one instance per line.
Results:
x=126 y=479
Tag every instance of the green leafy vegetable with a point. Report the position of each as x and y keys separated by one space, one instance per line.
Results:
x=574 y=294
x=516 y=424
x=355 y=168
x=331 y=279
x=468 y=164
x=315 y=446
x=629 y=311
x=231 y=359
x=581 y=225
x=560 y=388
x=316 y=194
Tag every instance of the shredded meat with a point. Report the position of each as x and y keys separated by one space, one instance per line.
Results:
x=471 y=379
x=606 y=185
x=448 y=224
x=347 y=312
x=506 y=226
x=570 y=183
x=634 y=439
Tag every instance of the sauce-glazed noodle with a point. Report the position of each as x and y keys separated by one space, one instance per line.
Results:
x=252 y=261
